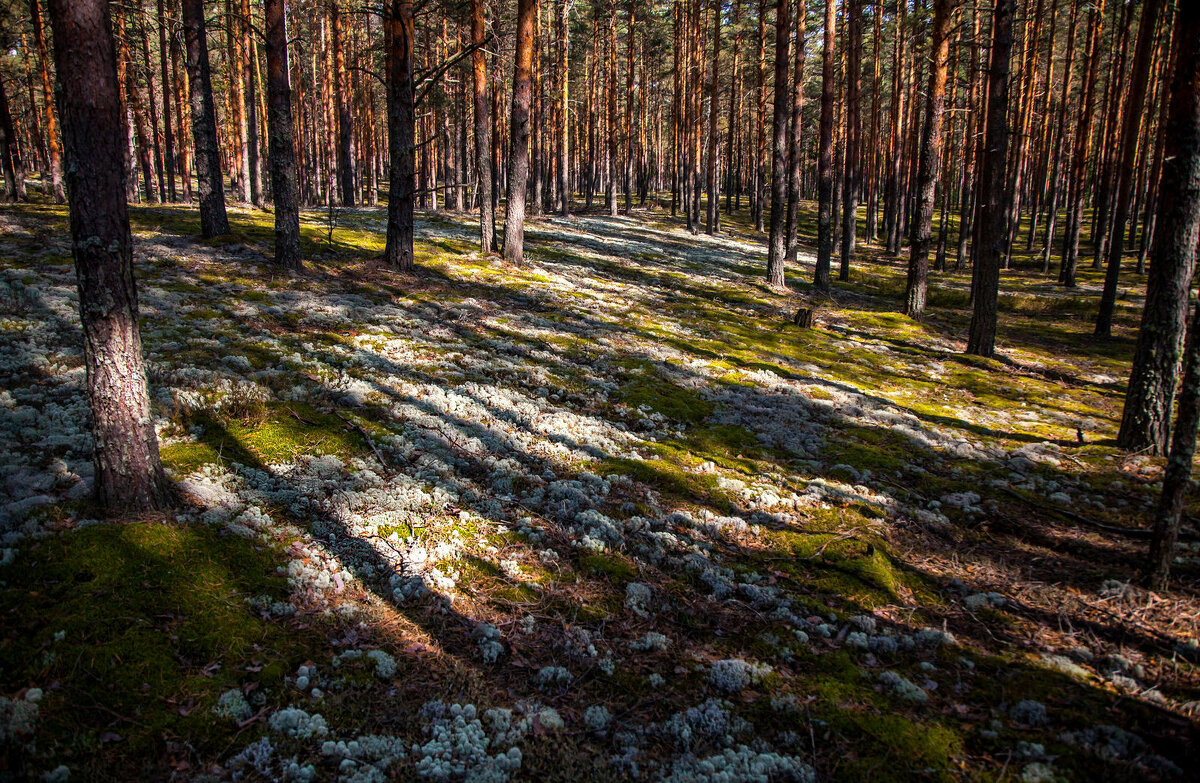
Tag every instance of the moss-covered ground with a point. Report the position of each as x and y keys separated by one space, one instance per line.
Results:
x=788 y=497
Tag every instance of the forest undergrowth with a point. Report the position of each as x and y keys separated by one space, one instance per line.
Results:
x=603 y=515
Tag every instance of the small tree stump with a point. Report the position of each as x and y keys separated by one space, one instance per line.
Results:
x=803 y=318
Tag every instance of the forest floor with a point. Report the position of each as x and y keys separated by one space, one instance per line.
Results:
x=601 y=516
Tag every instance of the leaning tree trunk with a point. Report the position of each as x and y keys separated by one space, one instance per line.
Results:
x=213 y=220
x=398 y=253
x=518 y=158
x=777 y=249
x=825 y=155
x=281 y=145
x=54 y=151
x=991 y=223
x=129 y=475
x=1143 y=54
x=931 y=145
x=1146 y=420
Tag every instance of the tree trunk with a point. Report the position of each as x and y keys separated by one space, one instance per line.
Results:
x=284 y=179
x=712 y=225
x=398 y=253
x=821 y=278
x=53 y=150
x=10 y=158
x=251 y=78
x=128 y=472
x=1076 y=183
x=518 y=157
x=1146 y=420
x=931 y=144
x=797 y=141
x=1179 y=226
x=213 y=220
x=483 y=152
x=779 y=162
x=760 y=144
x=564 y=161
x=141 y=128
x=1125 y=171
x=850 y=189
x=991 y=231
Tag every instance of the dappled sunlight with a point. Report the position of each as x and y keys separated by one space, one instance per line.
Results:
x=611 y=500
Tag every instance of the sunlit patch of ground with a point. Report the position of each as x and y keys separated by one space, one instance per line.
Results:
x=604 y=514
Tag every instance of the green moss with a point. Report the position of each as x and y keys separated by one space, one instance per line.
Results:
x=188 y=457
x=615 y=566
x=154 y=625
x=648 y=388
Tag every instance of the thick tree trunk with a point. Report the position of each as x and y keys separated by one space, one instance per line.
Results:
x=1146 y=420
x=1179 y=227
x=760 y=143
x=282 y=152
x=213 y=220
x=991 y=232
x=398 y=253
x=141 y=128
x=128 y=473
x=931 y=144
x=821 y=278
x=1125 y=165
x=777 y=249
x=53 y=149
x=518 y=158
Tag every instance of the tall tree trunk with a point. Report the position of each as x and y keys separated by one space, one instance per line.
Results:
x=711 y=225
x=1079 y=158
x=10 y=157
x=931 y=144
x=483 y=152
x=850 y=189
x=53 y=150
x=164 y=57
x=1060 y=134
x=213 y=220
x=993 y=193
x=144 y=37
x=630 y=94
x=564 y=161
x=777 y=249
x=128 y=472
x=797 y=141
x=141 y=128
x=398 y=252
x=250 y=50
x=821 y=277
x=1145 y=423
x=1125 y=171
x=610 y=196
x=284 y=179
x=1179 y=226
x=345 y=126
x=760 y=144
x=518 y=157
